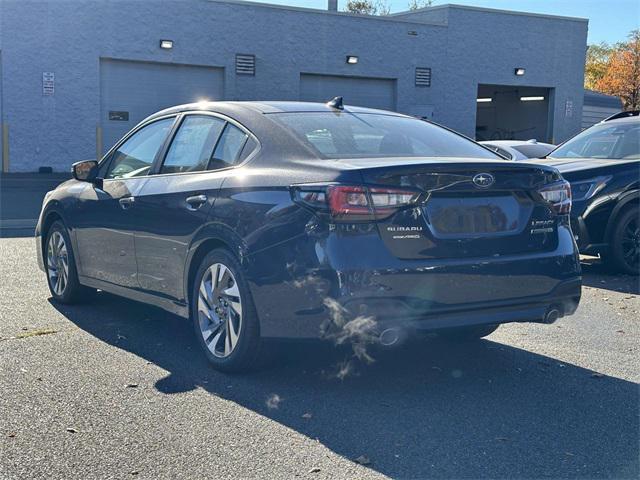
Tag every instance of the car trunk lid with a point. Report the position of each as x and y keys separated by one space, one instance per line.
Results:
x=466 y=208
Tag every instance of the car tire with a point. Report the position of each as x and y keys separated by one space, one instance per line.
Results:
x=60 y=267
x=223 y=314
x=467 y=334
x=624 y=247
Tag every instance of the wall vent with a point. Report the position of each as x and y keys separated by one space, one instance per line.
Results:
x=423 y=77
x=245 y=64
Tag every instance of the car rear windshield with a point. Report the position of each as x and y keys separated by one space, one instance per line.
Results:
x=605 y=140
x=533 y=150
x=357 y=135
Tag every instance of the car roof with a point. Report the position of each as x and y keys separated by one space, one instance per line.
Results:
x=514 y=143
x=631 y=116
x=265 y=107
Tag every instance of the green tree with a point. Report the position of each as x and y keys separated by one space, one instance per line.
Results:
x=368 y=7
x=418 y=4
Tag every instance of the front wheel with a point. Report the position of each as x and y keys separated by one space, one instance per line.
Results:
x=625 y=243
x=466 y=334
x=60 y=264
x=223 y=315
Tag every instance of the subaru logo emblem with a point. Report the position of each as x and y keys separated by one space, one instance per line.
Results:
x=483 y=180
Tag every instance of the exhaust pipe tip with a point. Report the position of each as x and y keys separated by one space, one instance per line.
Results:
x=389 y=337
x=552 y=315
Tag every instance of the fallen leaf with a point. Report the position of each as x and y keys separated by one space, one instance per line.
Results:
x=71 y=430
x=363 y=460
x=314 y=470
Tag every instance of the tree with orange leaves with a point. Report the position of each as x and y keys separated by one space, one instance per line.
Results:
x=622 y=74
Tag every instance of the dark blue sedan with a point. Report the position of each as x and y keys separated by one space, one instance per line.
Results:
x=272 y=219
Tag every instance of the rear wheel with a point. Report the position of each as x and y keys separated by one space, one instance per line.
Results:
x=223 y=314
x=60 y=264
x=625 y=243
x=465 y=334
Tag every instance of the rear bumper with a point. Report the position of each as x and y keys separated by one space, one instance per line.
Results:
x=564 y=300
x=320 y=284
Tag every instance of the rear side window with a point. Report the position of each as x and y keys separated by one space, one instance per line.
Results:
x=135 y=156
x=193 y=145
x=229 y=148
x=355 y=135
x=499 y=150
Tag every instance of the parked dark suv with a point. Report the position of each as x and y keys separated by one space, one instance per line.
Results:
x=307 y=220
x=603 y=166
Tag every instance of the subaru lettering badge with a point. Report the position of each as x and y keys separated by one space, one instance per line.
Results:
x=483 y=180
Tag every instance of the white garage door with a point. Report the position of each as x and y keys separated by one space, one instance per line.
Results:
x=361 y=91
x=130 y=91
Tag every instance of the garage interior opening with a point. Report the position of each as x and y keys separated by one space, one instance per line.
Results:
x=507 y=112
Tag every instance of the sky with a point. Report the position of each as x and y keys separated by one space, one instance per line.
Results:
x=609 y=20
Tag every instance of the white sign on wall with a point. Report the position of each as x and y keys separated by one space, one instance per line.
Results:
x=568 y=109
x=48 y=83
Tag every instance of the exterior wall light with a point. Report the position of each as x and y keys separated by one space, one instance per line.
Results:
x=166 y=44
x=484 y=100
x=531 y=99
x=352 y=59
x=519 y=71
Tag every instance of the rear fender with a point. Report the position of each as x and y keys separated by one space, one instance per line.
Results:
x=215 y=233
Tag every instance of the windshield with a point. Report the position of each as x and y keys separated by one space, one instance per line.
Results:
x=615 y=141
x=355 y=135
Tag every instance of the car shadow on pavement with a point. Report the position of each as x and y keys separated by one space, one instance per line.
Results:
x=429 y=409
x=597 y=275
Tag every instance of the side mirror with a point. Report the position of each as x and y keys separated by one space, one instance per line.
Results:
x=85 y=171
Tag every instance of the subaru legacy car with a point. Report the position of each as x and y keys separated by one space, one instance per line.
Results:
x=603 y=166
x=285 y=219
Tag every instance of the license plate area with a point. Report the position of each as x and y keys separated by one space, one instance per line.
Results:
x=476 y=217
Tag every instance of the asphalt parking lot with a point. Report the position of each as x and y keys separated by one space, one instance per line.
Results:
x=114 y=389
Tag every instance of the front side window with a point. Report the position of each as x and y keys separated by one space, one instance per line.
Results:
x=605 y=140
x=356 y=135
x=193 y=145
x=135 y=157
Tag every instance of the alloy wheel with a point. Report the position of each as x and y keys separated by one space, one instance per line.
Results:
x=57 y=263
x=219 y=310
x=631 y=243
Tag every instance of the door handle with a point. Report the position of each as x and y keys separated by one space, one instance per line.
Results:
x=195 y=202
x=126 y=202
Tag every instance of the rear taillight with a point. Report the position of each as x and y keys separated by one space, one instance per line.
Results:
x=559 y=197
x=355 y=203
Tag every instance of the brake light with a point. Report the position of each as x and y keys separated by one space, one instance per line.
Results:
x=355 y=203
x=559 y=197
